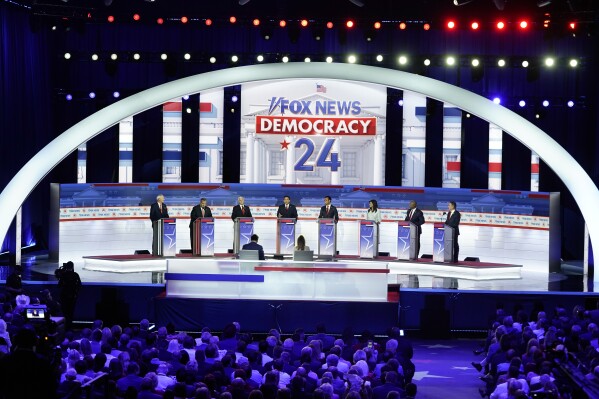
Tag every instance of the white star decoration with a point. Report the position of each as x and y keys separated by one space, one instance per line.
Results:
x=209 y=234
x=438 y=346
x=329 y=241
x=172 y=239
x=419 y=375
x=406 y=242
x=368 y=242
x=289 y=239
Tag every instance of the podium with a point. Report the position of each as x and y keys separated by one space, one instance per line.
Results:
x=285 y=236
x=243 y=229
x=369 y=239
x=407 y=234
x=203 y=237
x=164 y=237
x=443 y=243
x=327 y=237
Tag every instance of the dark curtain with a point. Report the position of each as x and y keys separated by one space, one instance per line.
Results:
x=394 y=138
x=147 y=146
x=231 y=135
x=515 y=165
x=475 y=153
x=433 y=166
x=190 y=147
x=103 y=157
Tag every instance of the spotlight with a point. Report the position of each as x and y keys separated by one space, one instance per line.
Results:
x=403 y=60
x=329 y=59
x=110 y=18
x=282 y=23
x=522 y=103
x=525 y=64
x=349 y=24
x=449 y=60
x=208 y=22
x=234 y=99
x=67 y=56
x=475 y=62
x=260 y=58
x=352 y=59
x=426 y=26
x=69 y=97
x=53 y=27
x=212 y=60
x=116 y=94
x=400 y=103
x=187 y=56
x=377 y=25
x=538 y=116
x=307 y=59
x=523 y=24
x=188 y=110
x=136 y=57
x=304 y=23
x=256 y=22
x=234 y=58
x=160 y=21
x=543 y=3
x=450 y=24
x=474 y=25
x=572 y=25
x=232 y=20
x=545 y=103
x=549 y=62
x=500 y=25
x=185 y=97
x=570 y=103
x=497 y=100
x=427 y=62
x=573 y=63
x=113 y=56
x=379 y=58
x=163 y=56
x=136 y=17
x=330 y=25
x=402 y=26
x=285 y=59
x=468 y=116
x=92 y=95
x=501 y=62
x=184 y=20
x=95 y=57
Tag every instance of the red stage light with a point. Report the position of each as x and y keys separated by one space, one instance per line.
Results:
x=110 y=18
x=500 y=25
x=282 y=23
x=330 y=25
x=523 y=24
x=304 y=22
x=208 y=22
x=160 y=21
x=427 y=26
x=184 y=20
x=450 y=24
x=377 y=25
x=474 y=25
x=572 y=25
x=136 y=17
x=402 y=26
x=349 y=24
x=232 y=20
x=256 y=22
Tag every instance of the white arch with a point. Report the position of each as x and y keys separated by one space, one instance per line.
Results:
x=563 y=164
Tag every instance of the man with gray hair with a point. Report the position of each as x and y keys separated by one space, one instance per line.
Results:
x=158 y=210
x=241 y=210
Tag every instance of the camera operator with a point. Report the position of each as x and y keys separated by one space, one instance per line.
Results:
x=69 y=284
x=14 y=284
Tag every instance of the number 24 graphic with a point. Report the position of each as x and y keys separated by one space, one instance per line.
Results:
x=321 y=159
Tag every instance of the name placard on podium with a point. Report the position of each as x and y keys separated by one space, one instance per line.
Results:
x=327 y=240
x=406 y=240
x=243 y=230
x=442 y=243
x=203 y=237
x=164 y=237
x=285 y=236
x=369 y=239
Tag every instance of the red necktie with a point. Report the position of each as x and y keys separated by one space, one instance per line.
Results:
x=242 y=210
x=327 y=210
x=286 y=207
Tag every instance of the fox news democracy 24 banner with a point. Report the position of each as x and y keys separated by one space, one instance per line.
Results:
x=313 y=132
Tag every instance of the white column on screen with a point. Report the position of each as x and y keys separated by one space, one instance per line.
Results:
x=378 y=160
x=249 y=158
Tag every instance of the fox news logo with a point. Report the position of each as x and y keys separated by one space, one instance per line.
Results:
x=309 y=107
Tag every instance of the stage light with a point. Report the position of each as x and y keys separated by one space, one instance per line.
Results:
x=400 y=103
x=522 y=103
x=304 y=23
x=379 y=58
x=474 y=25
x=501 y=62
x=282 y=23
x=136 y=17
x=234 y=99
x=163 y=56
x=427 y=62
x=525 y=64
x=497 y=100
x=188 y=110
x=256 y=22
x=136 y=56
x=208 y=22
x=67 y=56
x=232 y=20
x=53 y=27
x=545 y=103
x=500 y=25
x=573 y=63
x=546 y=23
x=523 y=24
x=285 y=59
x=549 y=62
x=538 y=116
x=185 y=97
x=184 y=20
x=450 y=24
x=69 y=97
x=160 y=21
x=92 y=95
x=570 y=103
x=402 y=26
x=377 y=25
x=475 y=62
x=95 y=57
x=212 y=60
x=352 y=59
x=260 y=58
x=307 y=59
x=113 y=56
x=330 y=25
x=234 y=58
x=329 y=59
x=572 y=25
x=187 y=56
x=110 y=18
x=426 y=26
x=403 y=60
x=116 y=94
x=450 y=60
x=468 y=116
x=349 y=24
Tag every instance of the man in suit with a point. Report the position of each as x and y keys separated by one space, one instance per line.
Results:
x=391 y=384
x=253 y=245
x=287 y=210
x=158 y=210
x=328 y=211
x=198 y=211
x=415 y=216
x=453 y=220
x=241 y=210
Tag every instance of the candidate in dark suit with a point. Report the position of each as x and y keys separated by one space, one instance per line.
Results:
x=253 y=245
x=241 y=210
x=158 y=210
x=328 y=211
x=415 y=216
x=453 y=220
x=198 y=211
x=287 y=210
